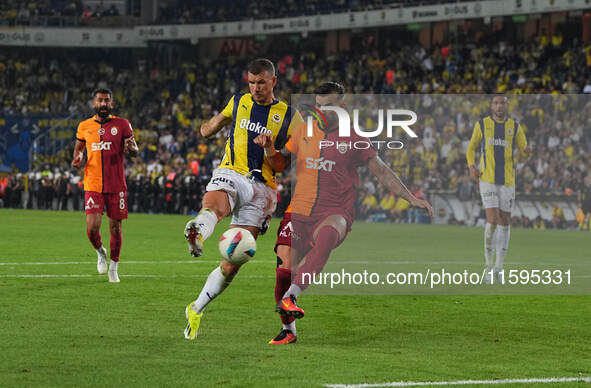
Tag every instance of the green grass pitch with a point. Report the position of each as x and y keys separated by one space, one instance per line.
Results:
x=81 y=331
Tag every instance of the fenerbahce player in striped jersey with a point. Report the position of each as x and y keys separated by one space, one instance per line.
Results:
x=244 y=183
x=106 y=139
x=496 y=135
x=322 y=205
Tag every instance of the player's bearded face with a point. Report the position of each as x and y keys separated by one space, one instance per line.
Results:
x=103 y=105
x=499 y=106
x=261 y=86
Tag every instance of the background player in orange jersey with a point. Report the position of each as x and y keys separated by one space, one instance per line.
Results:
x=106 y=139
x=322 y=205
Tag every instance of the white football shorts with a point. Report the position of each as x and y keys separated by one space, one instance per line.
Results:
x=252 y=202
x=497 y=196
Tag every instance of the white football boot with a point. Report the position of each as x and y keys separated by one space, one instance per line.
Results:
x=101 y=262
x=113 y=277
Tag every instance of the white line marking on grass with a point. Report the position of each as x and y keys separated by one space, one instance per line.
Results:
x=335 y=262
x=47 y=276
x=252 y=261
x=193 y=276
x=548 y=380
x=126 y=262
x=125 y=276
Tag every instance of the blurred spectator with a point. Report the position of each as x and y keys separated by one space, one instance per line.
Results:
x=539 y=223
x=581 y=218
x=400 y=212
x=387 y=203
x=557 y=216
x=369 y=205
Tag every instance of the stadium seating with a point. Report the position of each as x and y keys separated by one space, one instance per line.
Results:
x=95 y=13
x=167 y=102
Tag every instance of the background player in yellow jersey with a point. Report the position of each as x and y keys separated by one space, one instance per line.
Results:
x=496 y=135
x=244 y=183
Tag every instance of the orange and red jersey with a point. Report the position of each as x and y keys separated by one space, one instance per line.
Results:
x=104 y=170
x=326 y=169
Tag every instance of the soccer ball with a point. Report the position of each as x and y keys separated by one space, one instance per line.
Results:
x=237 y=245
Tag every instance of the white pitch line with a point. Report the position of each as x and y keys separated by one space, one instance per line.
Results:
x=154 y=276
x=126 y=276
x=47 y=276
x=125 y=262
x=208 y=261
x=269 y=261
x=548 y=380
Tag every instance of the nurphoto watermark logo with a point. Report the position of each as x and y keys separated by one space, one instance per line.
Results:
x=387 y=119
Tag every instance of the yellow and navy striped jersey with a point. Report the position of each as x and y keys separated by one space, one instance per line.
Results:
x=496 y=140
x=250 y=119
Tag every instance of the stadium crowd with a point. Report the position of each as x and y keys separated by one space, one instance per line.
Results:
x=200 y=11
x=75 y=12
x=167 y=105
x=53 y=12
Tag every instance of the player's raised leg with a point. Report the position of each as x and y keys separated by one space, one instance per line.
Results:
x=218 y=202
x=216 y=205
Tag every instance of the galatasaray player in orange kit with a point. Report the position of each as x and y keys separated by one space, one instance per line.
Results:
x=321 y=211
x=106 y=139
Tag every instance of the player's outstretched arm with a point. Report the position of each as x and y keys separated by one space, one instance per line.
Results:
x=215 y=125
x=78 y=153
x=130 y=147
x=392 y=182
x=278 y=160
